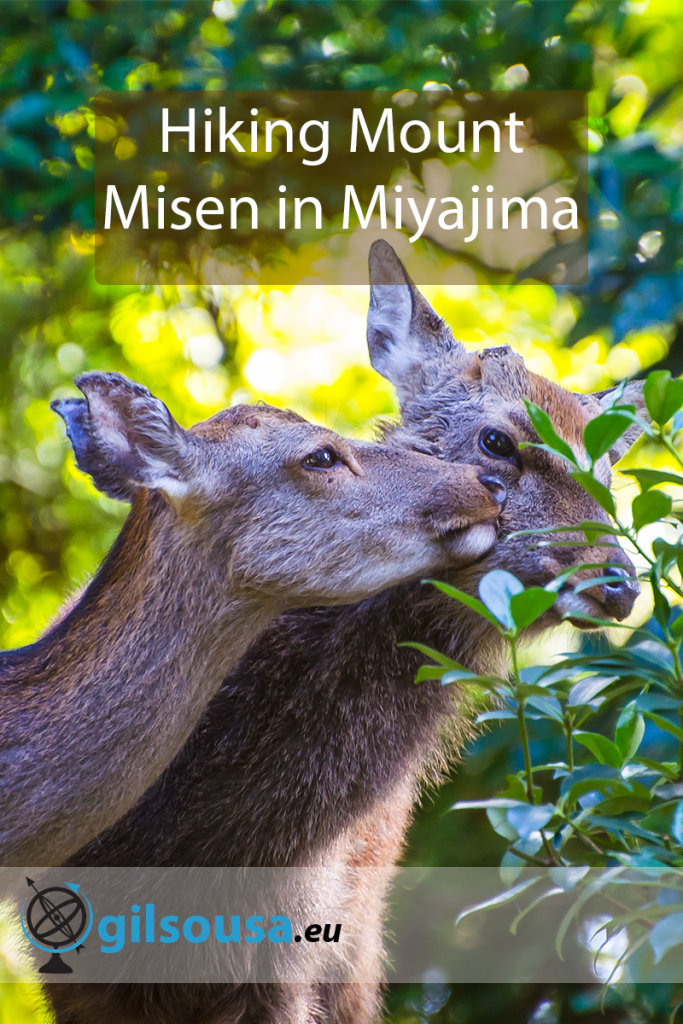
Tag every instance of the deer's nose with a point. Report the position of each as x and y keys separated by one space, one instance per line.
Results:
x=497 y=488
x=619 y=596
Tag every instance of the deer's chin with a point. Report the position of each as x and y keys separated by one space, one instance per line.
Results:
x=569 y=604
x=470 y=544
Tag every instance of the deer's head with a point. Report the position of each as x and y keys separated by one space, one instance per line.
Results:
x=275 y=505
x=470 y=407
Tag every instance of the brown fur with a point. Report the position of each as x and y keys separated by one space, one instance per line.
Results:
x=223 y=535
x=315 y=747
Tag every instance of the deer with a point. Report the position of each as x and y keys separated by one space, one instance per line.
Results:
x=350 y=775
x=247 y=514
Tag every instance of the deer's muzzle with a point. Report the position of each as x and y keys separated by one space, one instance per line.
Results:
x=620 y=596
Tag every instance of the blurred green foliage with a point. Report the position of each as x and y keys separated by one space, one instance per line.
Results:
x=201 y=348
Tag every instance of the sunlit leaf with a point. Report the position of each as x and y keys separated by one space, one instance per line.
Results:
x=466 y=599
x=547 y=433
x=647 y=478
x=600 y=433
x=529 y=605
x=597 y=491
x=649 y=507
x=496 y=589
x=663 y=395
x=435 y=655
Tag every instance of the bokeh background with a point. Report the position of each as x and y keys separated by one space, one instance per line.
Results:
x=203 y=348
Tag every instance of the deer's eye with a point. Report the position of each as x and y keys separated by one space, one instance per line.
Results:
x=498 y=444
x=324 y=458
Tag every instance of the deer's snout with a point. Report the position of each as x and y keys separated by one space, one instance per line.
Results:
x=620 y=596
x=497 y=488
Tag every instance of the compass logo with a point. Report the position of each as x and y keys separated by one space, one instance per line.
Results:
x=56 y=919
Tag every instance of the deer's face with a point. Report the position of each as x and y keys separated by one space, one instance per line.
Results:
x=271 y=504
x=470 y=407
x=315 y=518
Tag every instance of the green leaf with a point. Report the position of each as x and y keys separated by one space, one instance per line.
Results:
x=601 y=433
x=647 y=478
x=496 y=801
x=665 y=553
x=629 y=732
x=529 y=818
x=622 y=805
x=600 y=778
x=607 y=623
x=586 y=689
x=456 y=675
x=587 y=893
x=661 y=609
x=430 y=652
x=597 y=491
x=548 y=434
x=569 y=878
x=494 y=716
x=600 y=747
x=618 y=827
x=665 y=724
x=652 y=652
x=666 y=935
x=499 y=900
x=529 y=605
x=650 y=507
x=668 y=769
x=657 y=702
x=516 y=789
x=428 y=672
x=677 y=827
x=466 y=599
x=496 y=589
x=663 y=395
x=660 y=818
x=594 y=581
x=500 y=824
x=555 y=891
x=549 y=706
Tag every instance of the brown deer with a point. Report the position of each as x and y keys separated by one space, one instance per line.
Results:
x=329 y=697
x=245 y=515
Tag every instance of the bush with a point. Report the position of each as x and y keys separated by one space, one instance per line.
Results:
x=606 y=804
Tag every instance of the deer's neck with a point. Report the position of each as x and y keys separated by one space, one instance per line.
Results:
x=95 y=710
x=360 y=736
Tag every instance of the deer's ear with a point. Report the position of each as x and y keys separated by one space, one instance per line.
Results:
x=403 y=329
x=630 y=394
x=124 y=437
